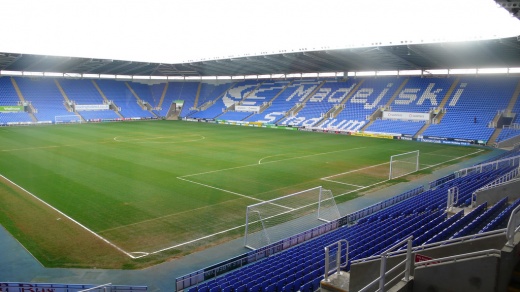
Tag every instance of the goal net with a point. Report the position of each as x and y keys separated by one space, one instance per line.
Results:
x=276 y=219
x=403 y=164
x=67 y=119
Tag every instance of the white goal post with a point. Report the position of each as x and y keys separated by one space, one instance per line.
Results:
x=270 y=221
x=403 y=164
x=67 y=119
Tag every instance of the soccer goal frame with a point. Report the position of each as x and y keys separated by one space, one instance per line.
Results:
x=65 y=119
x=273 y=220
x=403 y=164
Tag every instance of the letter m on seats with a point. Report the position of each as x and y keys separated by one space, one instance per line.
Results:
x=301 y=92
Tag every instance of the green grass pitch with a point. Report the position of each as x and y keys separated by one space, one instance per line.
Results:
x=160 y=185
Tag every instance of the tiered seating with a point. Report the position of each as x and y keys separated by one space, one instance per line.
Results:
x=185 y=91
x=507 y=133
x=210 y=92
x=15 y=117
x=421 y=94
x=370 y=95
x=81 y=91
x=422 y=216
x=264 y=93
x=234 y=116
x=397 y=127
x=151 y=96
x=500 y=221
x=481 y=219
x=293 y=94
x=9 y=97
x=470 y=111
x=330 y=94
x=117 y=92
x=44 y=96
x=457 y=225
x=99 y=115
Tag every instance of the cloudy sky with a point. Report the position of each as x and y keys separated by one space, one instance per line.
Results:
x=171 y=31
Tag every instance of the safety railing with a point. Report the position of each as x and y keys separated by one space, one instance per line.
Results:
x=104 y=288
x=512 y=226
x=382 y=270
x=459 y=257
x=338 y=261
x=510 y=161
x=501 y=180
x=453 y=197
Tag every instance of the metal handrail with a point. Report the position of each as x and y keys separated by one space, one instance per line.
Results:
x=487 y=252
x=512 y=226
x=104 y=286
x=480 y=166
x=383 y=272
x=498 y=232
x=338 y=258
x=501 y=180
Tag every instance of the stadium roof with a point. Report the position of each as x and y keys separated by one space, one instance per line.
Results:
x=38 y=42
x=475 y=54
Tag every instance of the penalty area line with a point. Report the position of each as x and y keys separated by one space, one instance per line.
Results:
x=343 y=183
x=240 y=226
x=185 y=243
x=219 y=189
x=70 y=218
x=230 y=192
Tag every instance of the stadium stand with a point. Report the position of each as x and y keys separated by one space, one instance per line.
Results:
x=372 y=94
x=211 y=94
x=423 y=216
x=393 y=126
x=45 y=96
x=474 y=104
x=178 y=91
x=123 y=98
x=8 y=94
x=467 y=106
x=330 y=94
x=296 y=93
x=9 y=97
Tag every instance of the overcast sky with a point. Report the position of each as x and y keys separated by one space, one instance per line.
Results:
x=169 y=31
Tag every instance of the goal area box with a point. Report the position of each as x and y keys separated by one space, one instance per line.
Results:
x=270 y=221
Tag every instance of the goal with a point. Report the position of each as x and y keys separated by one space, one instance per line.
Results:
x=403 y=164
x=276 y=219
x=67 y=119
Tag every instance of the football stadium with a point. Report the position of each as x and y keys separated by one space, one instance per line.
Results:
x=167 y=146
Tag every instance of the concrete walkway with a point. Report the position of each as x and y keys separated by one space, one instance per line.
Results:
x=18 y=265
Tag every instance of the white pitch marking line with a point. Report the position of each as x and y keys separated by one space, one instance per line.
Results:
x=224 y=231
x=32 y=148
x=355 y=170
x=231 y=192
x=222 y=190
x=146 y=140
x=188 y=242
x=375 y=184
x=260 y=161
x=211 y=235
x=274 y=161
x=343 y=183
x=70 y=218
x=449 y=156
